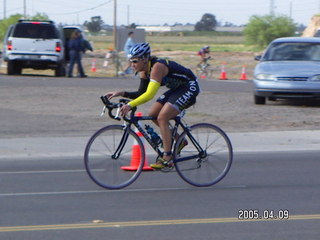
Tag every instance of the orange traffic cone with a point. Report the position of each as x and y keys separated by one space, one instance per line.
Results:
x=223 y=75
x=136 y=154
x=243 y=73
x=93 y=66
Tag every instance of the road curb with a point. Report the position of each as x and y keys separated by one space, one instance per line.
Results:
x=70 y=147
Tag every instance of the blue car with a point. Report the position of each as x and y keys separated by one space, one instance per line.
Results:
x=289 y=68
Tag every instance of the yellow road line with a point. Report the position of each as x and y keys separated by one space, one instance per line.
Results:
x=101 y=224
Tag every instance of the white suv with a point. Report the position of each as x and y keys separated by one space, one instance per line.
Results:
x=35 y=44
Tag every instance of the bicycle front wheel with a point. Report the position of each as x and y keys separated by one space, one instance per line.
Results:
x=114 y=158
x=207 y=158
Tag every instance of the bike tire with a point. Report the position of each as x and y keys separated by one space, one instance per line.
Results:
x=215 y=162
x=101 y=165
x=205 y=74
x=210 y=72
x=201 y=74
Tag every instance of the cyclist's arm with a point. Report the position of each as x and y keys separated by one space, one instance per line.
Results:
x=159 y=70
x=152 y=90
x=142 y=88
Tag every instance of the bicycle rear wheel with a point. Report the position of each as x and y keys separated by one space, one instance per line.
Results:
x=207 y=167
x=113 y=159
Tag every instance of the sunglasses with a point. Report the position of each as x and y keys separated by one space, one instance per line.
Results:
x=134 y=60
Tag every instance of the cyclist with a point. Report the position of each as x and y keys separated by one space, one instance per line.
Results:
x=154 y=72
x=204 y=54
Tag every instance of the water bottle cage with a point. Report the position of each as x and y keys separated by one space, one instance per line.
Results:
x=153 y=135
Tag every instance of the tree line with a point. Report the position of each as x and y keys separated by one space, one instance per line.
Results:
x=259 y=31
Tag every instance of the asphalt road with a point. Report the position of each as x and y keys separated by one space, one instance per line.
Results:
x=55 y=199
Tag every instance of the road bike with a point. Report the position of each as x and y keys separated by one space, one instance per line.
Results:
x=204 y=70
x=203 y=162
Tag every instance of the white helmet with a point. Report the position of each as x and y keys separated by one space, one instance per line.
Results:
x=139 y=50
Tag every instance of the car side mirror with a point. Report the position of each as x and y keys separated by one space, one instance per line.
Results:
x=257 y=58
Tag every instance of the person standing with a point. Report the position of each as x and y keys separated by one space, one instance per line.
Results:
x=127 y=46
x=76 y=48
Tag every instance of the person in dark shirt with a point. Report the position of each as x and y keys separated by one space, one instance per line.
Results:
x=182 y=85
x=76 y=49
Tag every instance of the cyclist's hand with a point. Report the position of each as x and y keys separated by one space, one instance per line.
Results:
x=110 y=95
x=125 y=109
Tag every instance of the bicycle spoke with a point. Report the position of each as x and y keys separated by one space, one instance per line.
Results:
x=106 y=169
x=213 y=164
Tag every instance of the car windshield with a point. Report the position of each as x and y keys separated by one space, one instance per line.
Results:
x=293 y=51
x=30 y=30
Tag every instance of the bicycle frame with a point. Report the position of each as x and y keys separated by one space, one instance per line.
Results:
x=204 y=161
x=135 y=120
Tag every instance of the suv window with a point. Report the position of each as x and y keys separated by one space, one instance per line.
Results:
x=35 y=30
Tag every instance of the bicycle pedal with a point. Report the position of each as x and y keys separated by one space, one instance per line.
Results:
x=167 y=168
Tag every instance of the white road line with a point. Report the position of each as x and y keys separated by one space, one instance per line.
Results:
x=41 y=171
x=111 y=191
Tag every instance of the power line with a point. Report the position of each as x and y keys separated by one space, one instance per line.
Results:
x=84 y=10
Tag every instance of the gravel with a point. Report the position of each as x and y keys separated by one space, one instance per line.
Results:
x=45 y=106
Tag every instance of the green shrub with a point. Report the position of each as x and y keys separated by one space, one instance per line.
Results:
x=260 y=31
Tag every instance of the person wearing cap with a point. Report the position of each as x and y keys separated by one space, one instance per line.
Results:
x=182 y=85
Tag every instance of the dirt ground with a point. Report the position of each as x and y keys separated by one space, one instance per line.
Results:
x=233 y=62
x=53 y=108
x=42 y=106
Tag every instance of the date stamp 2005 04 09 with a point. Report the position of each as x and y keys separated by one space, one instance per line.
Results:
x=255 y=214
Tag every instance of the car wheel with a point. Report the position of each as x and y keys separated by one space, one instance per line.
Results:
x=259 y=100
x=18 y=69
x=60 y=71
x=10 y=68
x=13 y=68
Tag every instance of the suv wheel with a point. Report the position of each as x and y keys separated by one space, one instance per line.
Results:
x=259 y=100
x=13 y=68
x=60 y=71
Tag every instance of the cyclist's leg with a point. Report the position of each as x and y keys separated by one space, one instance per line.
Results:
x=154 y=110
x=167 y=113
x=174 y=101
x=158 y=105
x=162 y=100
x=179 y=99
x=183 y=100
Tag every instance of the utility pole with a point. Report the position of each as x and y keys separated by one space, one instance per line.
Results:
x=128 y=15
x=24 y=9
x=115 y=36
x=4 y=9
x=271 y=7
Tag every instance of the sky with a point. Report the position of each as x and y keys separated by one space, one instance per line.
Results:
x=148 y=12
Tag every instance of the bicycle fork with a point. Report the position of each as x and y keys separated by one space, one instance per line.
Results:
x=122 y=143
